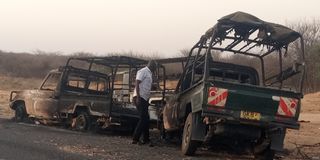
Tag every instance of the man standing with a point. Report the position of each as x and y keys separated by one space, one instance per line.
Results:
x=141 y=97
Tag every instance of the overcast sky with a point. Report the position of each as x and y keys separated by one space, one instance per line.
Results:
x=147 y=26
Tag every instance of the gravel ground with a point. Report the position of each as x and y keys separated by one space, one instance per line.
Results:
x=30 y=141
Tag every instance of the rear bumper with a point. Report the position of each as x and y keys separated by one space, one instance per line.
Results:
x=265 y=122
x=237 y=131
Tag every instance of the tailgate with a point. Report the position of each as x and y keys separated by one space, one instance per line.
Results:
x=254 y=104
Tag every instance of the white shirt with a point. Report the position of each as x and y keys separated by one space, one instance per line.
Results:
x=145 y=76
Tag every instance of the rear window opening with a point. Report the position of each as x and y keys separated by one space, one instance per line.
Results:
x=231 y=76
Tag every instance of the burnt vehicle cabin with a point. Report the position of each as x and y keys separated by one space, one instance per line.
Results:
x=242 y=83
x=86 y=92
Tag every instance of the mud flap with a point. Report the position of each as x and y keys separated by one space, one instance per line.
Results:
x=277 y=139
x=199 y=128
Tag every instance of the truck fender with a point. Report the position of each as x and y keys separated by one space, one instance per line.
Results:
x=14 y=104
x=199 y=128
x=80 y=107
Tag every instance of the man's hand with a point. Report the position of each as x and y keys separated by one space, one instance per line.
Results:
x=137 y=101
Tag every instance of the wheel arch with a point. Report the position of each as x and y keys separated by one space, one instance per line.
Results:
x=188 y=109
x=80 y=108
x=14 y=104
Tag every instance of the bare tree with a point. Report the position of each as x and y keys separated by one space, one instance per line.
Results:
x=310 y=30
x=184 y=52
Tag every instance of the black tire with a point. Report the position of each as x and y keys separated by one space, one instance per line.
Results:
x=160 y=127
x=162 y=130
x=82 y=122
x=188 y=146
x=20 y=113
x=267 y=154
x=67 y=123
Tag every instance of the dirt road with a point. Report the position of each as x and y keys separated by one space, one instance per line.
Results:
x=27 y=142
x=31 y=141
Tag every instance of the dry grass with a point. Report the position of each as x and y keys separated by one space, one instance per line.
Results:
x=171 y=84
x=311 y=103
x=18 y=83
x=4 y=104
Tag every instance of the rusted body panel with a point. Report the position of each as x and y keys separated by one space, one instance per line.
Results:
x=37 y=102
x=47 y=104
x=96 y=105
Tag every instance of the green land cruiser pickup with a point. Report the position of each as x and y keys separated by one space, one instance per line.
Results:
x=239 y=85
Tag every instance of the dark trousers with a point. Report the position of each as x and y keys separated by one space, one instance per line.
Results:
x=142 y=127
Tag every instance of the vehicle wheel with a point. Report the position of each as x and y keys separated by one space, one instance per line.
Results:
x=267 y=154
x=188 y=146
x=20 y=113
x=66 y=123
x=160 y=127
x=163 y=133
x=82 y=121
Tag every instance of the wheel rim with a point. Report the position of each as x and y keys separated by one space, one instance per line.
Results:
x=187 y=134
x=81 y=122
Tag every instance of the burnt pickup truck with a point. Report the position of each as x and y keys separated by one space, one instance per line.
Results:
x=87 y=92
x=240 y=86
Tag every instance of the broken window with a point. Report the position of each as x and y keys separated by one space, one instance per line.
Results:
x=75 y=82
x=98 y=85
x=51 y=82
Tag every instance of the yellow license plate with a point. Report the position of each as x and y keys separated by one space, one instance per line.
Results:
x=250 y=115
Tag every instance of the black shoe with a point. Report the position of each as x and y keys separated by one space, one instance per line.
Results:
x=151 y=144
x=145 y=141
x=134 y=142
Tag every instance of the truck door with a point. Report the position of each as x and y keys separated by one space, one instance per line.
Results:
x=45 y=103
x=99 y=94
